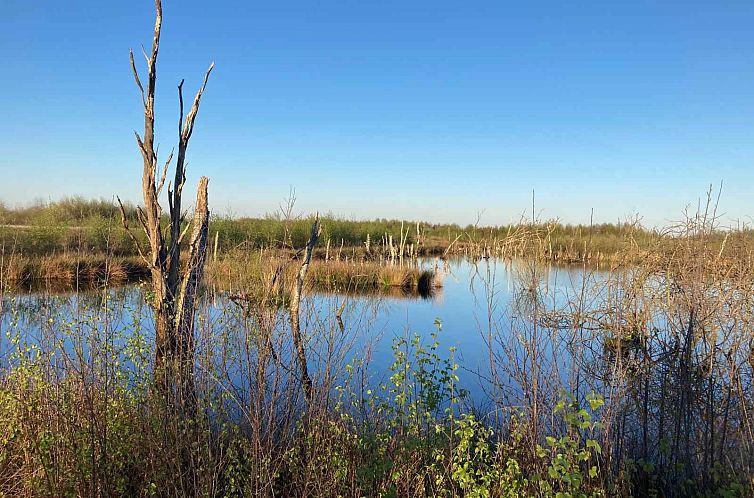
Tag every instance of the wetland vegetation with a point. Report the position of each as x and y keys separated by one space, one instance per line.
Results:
x=146 y=354
x=628 y=378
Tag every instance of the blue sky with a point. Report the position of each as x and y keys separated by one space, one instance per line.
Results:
x=415 y=109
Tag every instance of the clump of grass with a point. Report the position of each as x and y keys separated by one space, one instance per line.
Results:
x=360 y=276
x=260 y=272
x=71 y=269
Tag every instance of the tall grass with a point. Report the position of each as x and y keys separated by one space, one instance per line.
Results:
x=635 y=382
x=69 y=269
x=71 y=224
x=269 y=273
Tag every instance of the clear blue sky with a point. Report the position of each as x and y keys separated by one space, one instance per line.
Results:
x=414 y=109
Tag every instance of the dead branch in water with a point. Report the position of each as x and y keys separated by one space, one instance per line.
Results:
x=295 y=304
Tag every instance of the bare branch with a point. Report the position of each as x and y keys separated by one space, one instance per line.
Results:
x=155 y=49
x=136 y=77
x=184 y=134
x=142 y=219
x=164 y=173
x=170 y=197
x=183 y=234
x=188 y=126
x=182 y=182
x=141 y=144
x=180 y=107
x=124 y=222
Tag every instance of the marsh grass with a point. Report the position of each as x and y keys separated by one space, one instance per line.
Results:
x=93 y=226
x=635 y=382
x=364 y=275
x=70 y=270
x=270 y=272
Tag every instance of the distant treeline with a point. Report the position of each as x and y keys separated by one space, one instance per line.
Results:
x=94 y=226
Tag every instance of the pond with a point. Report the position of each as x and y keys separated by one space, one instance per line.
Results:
x=473 y=311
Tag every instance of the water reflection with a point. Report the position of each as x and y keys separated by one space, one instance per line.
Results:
x=476 y=304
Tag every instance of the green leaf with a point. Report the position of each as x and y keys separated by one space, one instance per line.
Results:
x=595 y=401
x=591 y=443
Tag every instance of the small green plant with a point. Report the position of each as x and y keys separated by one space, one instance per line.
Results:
x=475 y=466
x=423 y=386
x=572 y=459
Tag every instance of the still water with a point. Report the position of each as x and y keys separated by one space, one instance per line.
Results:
x=477 y=302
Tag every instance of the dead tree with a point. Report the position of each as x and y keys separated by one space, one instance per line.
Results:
x=295 y=304
x=174 y=292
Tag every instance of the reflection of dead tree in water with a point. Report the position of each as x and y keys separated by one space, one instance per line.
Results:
x=339 y=316
x=295 y=305
x=174 y=294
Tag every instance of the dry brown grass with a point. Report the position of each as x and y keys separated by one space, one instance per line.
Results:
x=70 y=269
x=362 y=275
x=271 y=272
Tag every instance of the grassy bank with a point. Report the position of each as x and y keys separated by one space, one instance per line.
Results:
x=79 y=225
x=355 y=269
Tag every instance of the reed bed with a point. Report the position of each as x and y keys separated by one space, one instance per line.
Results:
x=271 y=273
x=365 y=275
x=71 y=269
x=232 y=270
x=76 y=225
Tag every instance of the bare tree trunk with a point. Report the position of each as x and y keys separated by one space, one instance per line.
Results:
x=187 y=295
x=298 y=288
x=173 y=296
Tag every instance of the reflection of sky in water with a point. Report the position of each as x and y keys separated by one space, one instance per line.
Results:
x=462 y=306
x=371 y=322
